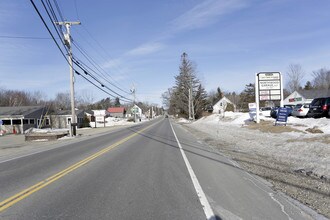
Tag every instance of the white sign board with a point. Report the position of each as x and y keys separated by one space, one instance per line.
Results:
x=99 y=118
x=269 y=76
x=269 y=84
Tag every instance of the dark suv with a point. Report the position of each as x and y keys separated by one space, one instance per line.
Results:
x=319 y=108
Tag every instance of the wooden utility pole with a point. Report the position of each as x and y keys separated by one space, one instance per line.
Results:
x=67 y=39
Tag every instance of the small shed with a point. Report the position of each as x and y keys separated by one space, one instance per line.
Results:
x=20 y=118
x=63 y=118
x=117 y=112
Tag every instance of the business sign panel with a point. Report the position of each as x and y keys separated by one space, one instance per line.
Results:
x=99 y=118
x=282 y=115
x=269 y=86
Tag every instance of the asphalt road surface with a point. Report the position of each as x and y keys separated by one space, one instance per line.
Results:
x=153 y=170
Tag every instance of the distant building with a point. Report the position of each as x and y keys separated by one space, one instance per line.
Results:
x=221 y=105
x=117 y=112
x=63 y=118
x=136 y=110
x=150 y=113
x=305 y=96
x=20 y=118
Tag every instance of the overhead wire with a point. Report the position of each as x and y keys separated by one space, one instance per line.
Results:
x=97 y=66
x=115 y=66
x=49 y=31
x=62 y=41
x=92 y=76
x=25 y=37
x=99 y=46
x=84 y=53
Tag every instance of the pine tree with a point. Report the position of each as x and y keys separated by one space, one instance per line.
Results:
x=185 y=90
x=247 y=96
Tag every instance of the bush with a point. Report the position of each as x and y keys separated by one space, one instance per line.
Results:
x=230 y=108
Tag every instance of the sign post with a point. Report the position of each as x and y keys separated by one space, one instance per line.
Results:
x=268 y=87
x=1 y=127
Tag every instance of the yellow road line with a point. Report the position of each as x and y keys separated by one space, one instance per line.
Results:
x=32 y=189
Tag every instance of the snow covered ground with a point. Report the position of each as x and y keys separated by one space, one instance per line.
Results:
x=309 y=152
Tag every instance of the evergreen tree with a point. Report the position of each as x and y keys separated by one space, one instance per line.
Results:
x=308 y=86
x=117 y=102
x=187 y=88
x=200 y=101
x=247 y=96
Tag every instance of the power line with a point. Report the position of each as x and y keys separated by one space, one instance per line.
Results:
x=58 y=46
x=97 y=66
x=97 y=80
x=51 y=34
x=25 y=37
x=103 y=50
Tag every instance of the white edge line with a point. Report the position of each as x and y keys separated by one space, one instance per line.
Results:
x=200 y=193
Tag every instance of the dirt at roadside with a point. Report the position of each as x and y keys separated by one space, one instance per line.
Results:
x=298 y=184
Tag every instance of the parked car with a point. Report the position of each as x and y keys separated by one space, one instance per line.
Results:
x=320 y=107
x=300 y=110
x=265 y=111
x=273 y=112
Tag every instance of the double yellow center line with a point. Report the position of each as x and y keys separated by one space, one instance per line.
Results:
x=27 y=192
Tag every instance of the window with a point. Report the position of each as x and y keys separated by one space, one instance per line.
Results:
x=68 y=121
x=47 y=121
x=17 y=122
x=6 y=122
x=25 y=121
x=32 y=121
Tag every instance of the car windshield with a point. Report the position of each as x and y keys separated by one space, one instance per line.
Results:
x=317 y=102
x=298 y=106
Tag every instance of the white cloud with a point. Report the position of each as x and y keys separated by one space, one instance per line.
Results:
x=205 y=14
x=145 y=49
x=113 y=63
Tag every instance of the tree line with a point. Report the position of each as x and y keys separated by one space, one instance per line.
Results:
x=62 y=101
x=188 y=98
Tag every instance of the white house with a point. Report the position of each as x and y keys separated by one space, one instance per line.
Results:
x=221 y=105
x=136 y=110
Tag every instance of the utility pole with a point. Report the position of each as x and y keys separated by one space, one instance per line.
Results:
x=134 y=109
x=192 y=103
x=67 y=40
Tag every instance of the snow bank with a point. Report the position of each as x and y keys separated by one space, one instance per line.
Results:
x=301 y=149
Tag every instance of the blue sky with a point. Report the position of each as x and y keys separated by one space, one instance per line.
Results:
x=140 y=42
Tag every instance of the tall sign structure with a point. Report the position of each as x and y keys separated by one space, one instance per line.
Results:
x=268 y=87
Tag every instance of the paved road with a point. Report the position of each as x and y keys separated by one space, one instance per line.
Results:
x=154 y=170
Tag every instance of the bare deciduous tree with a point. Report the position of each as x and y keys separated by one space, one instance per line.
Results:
x=295 y=76
x=321 y=79
x=62 y=101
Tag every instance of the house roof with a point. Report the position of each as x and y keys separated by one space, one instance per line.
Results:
x=19 y=110
x=223 y=99
x=315 y=93
x=116 y=109
x=68 y=112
